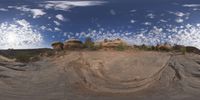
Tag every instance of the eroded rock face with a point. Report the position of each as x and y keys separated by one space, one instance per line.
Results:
x=107 y=75
x=117 y=73
x=112 y=43
x=165 y=47
x=73 y=44
x=192 y=49
x=57 y=45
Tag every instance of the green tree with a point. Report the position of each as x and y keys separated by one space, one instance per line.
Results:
x=89 y=44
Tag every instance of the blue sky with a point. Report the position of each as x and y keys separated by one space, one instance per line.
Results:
x=37 y=23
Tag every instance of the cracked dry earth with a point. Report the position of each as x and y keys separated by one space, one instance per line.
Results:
x=103 y=75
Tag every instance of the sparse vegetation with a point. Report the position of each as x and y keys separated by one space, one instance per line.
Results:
x=115 y=44
x=25 y=56
x=144 y=47
x=121 y=47
x=89 y=44
x=183 y=50
x=166 y=47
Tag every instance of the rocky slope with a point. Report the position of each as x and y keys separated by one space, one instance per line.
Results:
x=103 y=75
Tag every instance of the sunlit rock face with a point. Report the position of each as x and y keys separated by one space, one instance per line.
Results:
x=19 y=35
x=102 y=75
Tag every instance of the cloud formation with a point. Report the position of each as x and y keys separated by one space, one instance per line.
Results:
x=179 y=20
x=57 y=23
x=19 y=35
x=191 y=5
x=60 y=17
x=66 y=5
x=3 y=9
x=36 y=13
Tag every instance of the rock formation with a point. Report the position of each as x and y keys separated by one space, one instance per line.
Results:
x=103 y=75
x=57 y=45
x=112 y=43
x=73 y=44
x=164 y=47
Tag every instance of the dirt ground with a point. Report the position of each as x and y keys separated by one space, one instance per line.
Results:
x=103 y=75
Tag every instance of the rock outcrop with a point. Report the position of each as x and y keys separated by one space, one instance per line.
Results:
x=112 y=43
x=164 y=47
x=57 y=45
x=73 y=44
x=103 y=75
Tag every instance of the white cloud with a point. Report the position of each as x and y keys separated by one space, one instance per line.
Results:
x=112 y=12
x=60 y=17
x=179 y=20
x=162 y=20
x=147 y=23
x=57 y=29
x=191 y=5
x=3 y=9
x=57 y=23
x=23 y=23
x=179 y=14
x=189 y=36
x=151 y=15
x=132 y=21
x=196 y=9
x=43 y=27
x=182 y=35
x=36 y=13
x=66 y=5
x=133 y=10
x=65 y=34
x=19 y=35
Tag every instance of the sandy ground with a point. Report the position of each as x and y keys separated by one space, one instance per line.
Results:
x=103 y=75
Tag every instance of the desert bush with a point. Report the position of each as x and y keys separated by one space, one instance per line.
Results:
x=34 y=59
x=163 y=48
x=121 y=47
x=49 y=53
x=144 y=47
x=23 y=57
x=89 y=44
x=183 y=50
x=153 y=48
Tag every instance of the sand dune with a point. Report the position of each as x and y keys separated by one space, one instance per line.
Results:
x=103 y=75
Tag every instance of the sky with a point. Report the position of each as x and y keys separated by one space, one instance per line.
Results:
x=28 y=24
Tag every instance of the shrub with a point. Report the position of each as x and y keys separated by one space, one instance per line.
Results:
x=89 y=44
x=34 y=59
x=144 y=47
x=23 y=58
x=183 y=50
x=121 y=47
